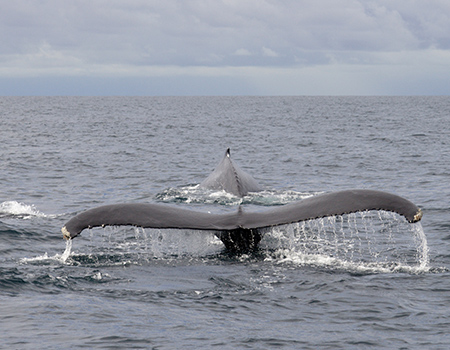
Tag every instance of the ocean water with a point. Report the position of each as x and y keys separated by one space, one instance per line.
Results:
x=360 y=281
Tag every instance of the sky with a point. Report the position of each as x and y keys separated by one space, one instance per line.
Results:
x=224 y=47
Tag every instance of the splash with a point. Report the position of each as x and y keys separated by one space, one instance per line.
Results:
x=66 y=253
x=363 y=242
x=162 y=243
x=197 y=194
x=370 y=241
x=25 y=211
x=121 y=246
x=45 y=259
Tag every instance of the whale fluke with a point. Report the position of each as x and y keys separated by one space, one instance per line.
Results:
x=230 y=178
x=240 y=230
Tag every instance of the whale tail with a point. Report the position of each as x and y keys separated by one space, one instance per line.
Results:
x=240 y=230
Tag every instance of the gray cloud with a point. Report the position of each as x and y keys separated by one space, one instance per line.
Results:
x=127 y=38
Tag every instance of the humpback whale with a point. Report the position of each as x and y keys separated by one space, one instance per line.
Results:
x=240 y=231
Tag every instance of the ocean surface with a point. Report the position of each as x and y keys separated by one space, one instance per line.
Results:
x=361 y=281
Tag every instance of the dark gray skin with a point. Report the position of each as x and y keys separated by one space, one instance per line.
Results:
x=230 y=178
x=239 y=231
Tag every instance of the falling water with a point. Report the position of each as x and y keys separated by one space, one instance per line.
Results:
x=66 y=253
x=377 y=240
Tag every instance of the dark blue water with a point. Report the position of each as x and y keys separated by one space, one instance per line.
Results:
x=359 y=281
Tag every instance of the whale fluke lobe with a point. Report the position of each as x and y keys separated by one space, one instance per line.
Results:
x=230 y=178
x=240 y=231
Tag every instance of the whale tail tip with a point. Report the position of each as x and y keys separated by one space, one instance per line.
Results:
x=66 y=233
x=418 y=216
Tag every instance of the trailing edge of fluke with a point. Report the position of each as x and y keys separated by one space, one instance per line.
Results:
x=239 y=230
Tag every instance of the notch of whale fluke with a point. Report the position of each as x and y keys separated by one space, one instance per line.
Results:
x=240 y=231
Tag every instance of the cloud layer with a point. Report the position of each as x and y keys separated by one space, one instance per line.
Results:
x=334 y=47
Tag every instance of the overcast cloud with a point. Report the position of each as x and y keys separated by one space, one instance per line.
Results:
x=213 y=47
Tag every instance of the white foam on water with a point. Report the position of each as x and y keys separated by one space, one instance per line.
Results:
x=43 y=259
x=197 y=194
x=15 y=208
